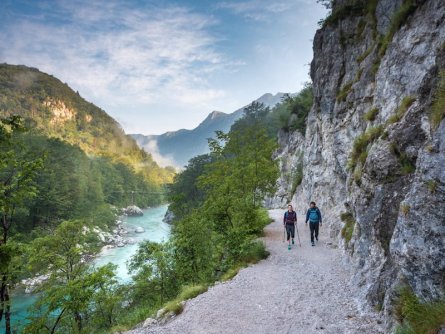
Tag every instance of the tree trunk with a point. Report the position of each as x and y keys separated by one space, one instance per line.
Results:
x=53 y=330
x=8 y=312
x=5 y=307
x=78 y=319
x=2 y=298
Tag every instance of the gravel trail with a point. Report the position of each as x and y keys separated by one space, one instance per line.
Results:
x=305 y=290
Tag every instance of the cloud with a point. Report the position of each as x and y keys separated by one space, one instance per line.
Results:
x=152 y=147
x=117 y=54
x=257 y=10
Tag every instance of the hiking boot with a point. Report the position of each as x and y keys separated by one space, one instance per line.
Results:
x=293 y=241
x=288 y=247
x=313 y=243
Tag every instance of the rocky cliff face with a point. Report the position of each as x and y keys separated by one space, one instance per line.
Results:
x=290 y=161
x=371 y=150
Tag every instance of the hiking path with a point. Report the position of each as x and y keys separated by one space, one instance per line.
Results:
x=301 y=291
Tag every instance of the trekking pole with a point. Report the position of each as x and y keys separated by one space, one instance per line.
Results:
x=298 y=234
x=284 y=233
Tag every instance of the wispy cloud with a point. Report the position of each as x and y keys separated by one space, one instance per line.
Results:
x=115 y=53
x=152 y=147
x=257 y=10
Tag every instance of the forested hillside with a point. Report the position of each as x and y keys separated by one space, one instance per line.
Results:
x=71 y=185
x=55 y=110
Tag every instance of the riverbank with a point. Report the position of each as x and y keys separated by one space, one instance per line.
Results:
x=154 y=230
x=305 y=290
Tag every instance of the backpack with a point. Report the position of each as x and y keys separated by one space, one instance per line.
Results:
x=313 y=215
x=293 y=216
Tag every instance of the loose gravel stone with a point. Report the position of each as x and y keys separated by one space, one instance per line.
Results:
x=302 y=291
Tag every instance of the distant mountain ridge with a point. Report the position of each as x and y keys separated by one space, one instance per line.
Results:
x=52 y=108
x=176 y=148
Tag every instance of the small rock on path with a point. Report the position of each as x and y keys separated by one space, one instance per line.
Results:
x=302 y=291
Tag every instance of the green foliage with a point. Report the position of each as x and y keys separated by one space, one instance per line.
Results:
x=360 y=145
x=438 y=108
x=375 y=66
x=358 y=75
x=55 y=110
x=407 y=166
x=360 y=28
x=191 y=291
x=217 y=232
x=73 y=290
x=397 y=21
x=70 y=185
x=254 y=252
x=344 y=91
x=371 y=6
x=176 y=306
x=154 y=273
x=292 y=113
x=417 y=316
x=371 y=114
x=231 y=273
x=128 y=318
x=173 y=306
x=194 y=243
x=352 y=8
x=432 y=186
x=348 y=228
x=242 y=169
x=358 y=172
x=17 y=174
x=365 y=54
x=184 y=193
x=348 y=9
x=299 y=107
x=407 y=101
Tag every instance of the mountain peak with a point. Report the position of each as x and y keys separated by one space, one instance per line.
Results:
x=182 y=145
x=215 y=114
x=270 y=99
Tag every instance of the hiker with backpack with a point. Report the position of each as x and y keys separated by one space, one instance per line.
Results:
x=313 y=216
x=289 y=221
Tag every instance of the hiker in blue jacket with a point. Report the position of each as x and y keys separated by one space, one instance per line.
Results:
x=289 y=221
x=313 y=216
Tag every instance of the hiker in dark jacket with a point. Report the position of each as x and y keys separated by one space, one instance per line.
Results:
x=313 y=216
x=289 y=221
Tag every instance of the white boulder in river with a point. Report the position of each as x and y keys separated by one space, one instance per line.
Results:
x=139 y=229
x=133 y=210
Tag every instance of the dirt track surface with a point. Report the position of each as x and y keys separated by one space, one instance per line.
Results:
x=303 y=290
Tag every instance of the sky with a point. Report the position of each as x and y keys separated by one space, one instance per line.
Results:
x=158 y=66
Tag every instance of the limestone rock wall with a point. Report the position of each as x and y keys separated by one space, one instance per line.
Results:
x=370 y=149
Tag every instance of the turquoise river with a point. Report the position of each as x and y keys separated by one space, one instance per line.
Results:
x=155 y=230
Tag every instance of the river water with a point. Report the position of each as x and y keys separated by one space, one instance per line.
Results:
x=155 y=230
